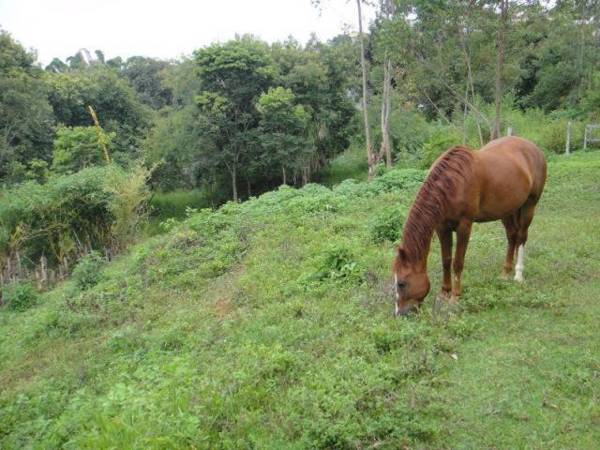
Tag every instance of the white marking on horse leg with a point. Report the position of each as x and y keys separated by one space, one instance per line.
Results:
x=520 y=264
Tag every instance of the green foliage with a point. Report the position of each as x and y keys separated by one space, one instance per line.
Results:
x=96 y=208
x=440 y=141
x=547 y=131
x=145 y=75
x=87 y=273
x=284 y=130
x=115 y=102
x=20 y=296
x=590 y=103
x=13 y=56
x=26 y=121
x=175 y=203
x=336 y=263
x=76 y=148
x=259 y=113
x=387 y=225
x=183 y=155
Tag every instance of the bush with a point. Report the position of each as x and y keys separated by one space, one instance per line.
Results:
x=336 y=263
x=387 y=226
x=410 y=142
x=397 y=180
x=97 y=208
x=440 y=141
x=20 y=296
x=87 y=273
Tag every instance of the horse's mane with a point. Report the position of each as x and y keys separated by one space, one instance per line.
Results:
x=444 y=181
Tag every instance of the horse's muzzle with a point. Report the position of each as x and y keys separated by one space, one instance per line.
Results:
x=405 y=311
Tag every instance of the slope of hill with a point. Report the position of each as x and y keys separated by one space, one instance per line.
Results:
x=269 y=324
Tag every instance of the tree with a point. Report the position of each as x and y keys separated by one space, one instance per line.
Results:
x=26 y=120
x=114 y=101
x=182 y=81
x=371 y=157
x=76 y=148
x=145 y=76
x=57 y=66
x=183 y=154
x=390 y=31
x=283 y=127
x=321 y=78
x=503 y=23
x=233 y=76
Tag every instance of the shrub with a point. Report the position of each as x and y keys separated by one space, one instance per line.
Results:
x=97 y=208
x=20 y=296
x=387 y=226
x=337 y=263
x=440 y=141
x=396 y=180
x=409 y=142
x=87 y=273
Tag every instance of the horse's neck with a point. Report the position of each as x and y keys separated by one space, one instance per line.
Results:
x=446 y=181
x=418 y=233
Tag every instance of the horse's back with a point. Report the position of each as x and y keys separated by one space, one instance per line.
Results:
x=514 y=158
x=512 y=171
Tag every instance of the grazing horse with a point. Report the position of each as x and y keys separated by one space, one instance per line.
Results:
x=502 y=181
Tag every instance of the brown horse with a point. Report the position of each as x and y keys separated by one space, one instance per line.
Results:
x=502 y=181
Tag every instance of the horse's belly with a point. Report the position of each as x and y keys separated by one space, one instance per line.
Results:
x=500 y=203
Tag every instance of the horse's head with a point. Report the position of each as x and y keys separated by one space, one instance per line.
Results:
x=411 y=283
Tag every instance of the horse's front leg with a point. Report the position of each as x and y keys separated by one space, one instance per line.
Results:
x=463 y=233
x=445 y=237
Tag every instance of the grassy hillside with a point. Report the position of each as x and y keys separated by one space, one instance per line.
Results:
x=269 y=325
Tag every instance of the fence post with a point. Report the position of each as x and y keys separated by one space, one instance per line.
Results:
x=568 y=144
x=509 y=131
x=585 y=133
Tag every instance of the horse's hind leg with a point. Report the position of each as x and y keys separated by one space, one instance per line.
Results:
x=525 y=218
x=511 y=226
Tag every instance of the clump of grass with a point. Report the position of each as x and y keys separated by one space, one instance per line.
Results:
x=88 y=272
x=20 y=296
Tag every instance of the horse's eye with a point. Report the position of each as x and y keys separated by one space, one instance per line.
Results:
x=401 y=284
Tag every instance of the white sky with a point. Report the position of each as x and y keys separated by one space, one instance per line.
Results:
x=168 y=28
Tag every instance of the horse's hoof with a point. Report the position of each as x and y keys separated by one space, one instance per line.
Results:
x=453 y=300
x=442 y=296
x=505 y=275
x=519 y=278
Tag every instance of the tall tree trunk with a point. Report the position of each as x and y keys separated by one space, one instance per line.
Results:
x=386 y=105
x=465 y=115
x=581 y=51
x=500 y=48
x=470 y=83
x=371 y=160
x=234 y=182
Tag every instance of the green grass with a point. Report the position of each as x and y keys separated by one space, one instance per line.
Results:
x=269 y=325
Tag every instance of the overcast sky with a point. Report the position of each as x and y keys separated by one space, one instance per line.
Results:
x=167 y=28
